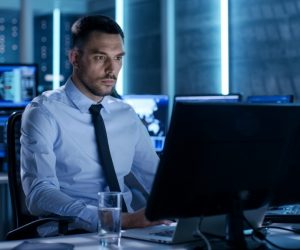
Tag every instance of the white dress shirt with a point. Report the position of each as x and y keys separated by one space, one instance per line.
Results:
x=60 y=169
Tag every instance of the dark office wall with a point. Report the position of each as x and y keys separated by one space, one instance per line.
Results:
x=9 y=36
x=197 y=32
x=197 y=44
x=265 y=47
x=43 y=49
x=103 y=7
x=43 y=53
x=65 y=44
x=143 y=39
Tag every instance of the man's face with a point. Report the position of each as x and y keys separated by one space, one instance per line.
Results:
x=97 y=63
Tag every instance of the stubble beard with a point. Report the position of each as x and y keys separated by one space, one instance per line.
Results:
x=101 y=91
x=97 y=89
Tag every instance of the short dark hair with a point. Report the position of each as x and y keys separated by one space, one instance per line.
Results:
x=82 y=28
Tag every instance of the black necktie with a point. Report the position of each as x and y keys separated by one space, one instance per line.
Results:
x=104 y=152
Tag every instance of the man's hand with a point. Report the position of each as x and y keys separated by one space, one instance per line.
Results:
x=138 y=219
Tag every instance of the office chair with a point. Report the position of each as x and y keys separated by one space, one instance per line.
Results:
x=25 y=224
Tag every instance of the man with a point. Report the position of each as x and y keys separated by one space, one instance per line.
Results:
x=60 y=167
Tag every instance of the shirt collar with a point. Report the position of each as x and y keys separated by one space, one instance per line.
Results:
x=82 y=102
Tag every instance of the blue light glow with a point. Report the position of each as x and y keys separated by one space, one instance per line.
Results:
x=224 y=47
x=56 y=48
x=170 y=5
x=119 y=14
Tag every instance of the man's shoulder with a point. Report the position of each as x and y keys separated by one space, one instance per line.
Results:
x=45 y=102
x=119 y=105
x=50 y=96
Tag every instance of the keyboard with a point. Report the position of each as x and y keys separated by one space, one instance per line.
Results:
x=283 y=214
x=164 y=233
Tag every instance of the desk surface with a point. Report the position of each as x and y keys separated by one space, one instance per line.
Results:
x=90 y=242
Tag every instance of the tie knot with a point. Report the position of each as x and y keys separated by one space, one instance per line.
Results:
x=95 y=108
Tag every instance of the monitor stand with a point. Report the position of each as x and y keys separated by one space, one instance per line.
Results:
x=235 y=229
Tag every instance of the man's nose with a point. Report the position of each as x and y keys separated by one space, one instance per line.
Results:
x=110 y=66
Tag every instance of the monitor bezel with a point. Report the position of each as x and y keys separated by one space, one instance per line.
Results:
x=213 y=98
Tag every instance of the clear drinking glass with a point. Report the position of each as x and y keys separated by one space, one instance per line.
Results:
x=109 y=213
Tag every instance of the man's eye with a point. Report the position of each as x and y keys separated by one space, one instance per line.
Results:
x=100 y=58
x=119 y=58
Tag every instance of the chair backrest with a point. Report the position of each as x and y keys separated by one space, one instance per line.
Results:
x=20 y=211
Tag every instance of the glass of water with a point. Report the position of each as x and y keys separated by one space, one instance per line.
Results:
x=109 y=213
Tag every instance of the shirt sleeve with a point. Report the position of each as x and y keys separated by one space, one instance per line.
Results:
x=146 y=160
x=39 y=134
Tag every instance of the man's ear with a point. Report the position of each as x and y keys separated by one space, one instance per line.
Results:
x=74 y=58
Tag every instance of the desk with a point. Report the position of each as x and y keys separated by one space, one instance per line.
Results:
x=6 y=217
x=90 y=242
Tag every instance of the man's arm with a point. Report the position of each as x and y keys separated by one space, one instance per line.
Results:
x=146 y=160
x=38 y=171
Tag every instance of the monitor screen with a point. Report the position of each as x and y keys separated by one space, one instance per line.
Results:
x=208 y=98
x=5 y=112
x=3 y=121
x=18 y=82
x=153 y=111
x=18 y=86
x=219 y=157
x=270 y=99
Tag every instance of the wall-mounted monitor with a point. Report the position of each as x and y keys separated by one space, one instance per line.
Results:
x=18 y=86
x=18 y=82
x=153 y=111
x=270 y=99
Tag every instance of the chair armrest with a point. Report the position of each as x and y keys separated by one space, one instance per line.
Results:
x=29 y=230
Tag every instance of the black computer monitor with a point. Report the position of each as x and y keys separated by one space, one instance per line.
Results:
x=222 y=158
x=230 y=98
x=18 y=82
x=270 y=99
x=153 y=111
